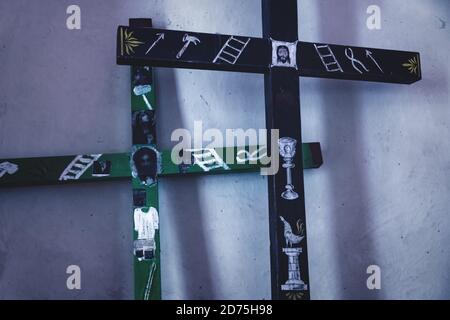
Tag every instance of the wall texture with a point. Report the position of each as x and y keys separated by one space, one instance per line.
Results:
x=380 y=198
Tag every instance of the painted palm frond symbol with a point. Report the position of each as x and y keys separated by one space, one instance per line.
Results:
x=412 y=65
x=129 y=42
x=294 y=295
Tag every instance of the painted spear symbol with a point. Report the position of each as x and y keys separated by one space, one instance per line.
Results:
x=160 y=37
x=369 y=55
x=187 y=39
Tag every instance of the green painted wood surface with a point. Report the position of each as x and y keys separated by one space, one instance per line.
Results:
x=48 y=170
x=147 y=273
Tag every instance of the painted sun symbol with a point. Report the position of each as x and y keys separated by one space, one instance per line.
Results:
x=294 y=295
x=412 y=65
x=129 y=42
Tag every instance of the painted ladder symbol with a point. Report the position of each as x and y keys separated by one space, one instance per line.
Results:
x=208 y=159
x=328 y=59
x=232 y=50
x=78 y=166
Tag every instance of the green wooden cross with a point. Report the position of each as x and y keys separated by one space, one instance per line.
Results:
x=119 y=166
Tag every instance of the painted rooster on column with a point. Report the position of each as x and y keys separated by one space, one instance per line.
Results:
x=290 y=237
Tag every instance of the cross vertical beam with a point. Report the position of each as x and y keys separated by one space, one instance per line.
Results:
x=147 y=252
x=283 y=113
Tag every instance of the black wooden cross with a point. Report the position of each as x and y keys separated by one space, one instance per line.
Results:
x=282 y=59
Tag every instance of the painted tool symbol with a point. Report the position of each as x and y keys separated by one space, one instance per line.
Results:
x=160 y=37
x=351 y=56
x=369 y=54
x=142 y=90
x=187 y=39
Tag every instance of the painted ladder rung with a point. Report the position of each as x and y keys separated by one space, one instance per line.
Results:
x=335 y=69
x=230 y=54
x=221 y=58
x=85 y=160
x=215 y=167
x=234 y=48
x=240 y=41
x=67 y=177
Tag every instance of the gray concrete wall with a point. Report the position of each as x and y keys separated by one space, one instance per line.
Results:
x=380 y=198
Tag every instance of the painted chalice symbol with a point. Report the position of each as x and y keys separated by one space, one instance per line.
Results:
x=287 y=151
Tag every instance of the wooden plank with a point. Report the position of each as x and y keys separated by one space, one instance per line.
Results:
x=286 y=190
x=144 y=170
x=312 y=159
x=48 y=170
x=162 y=48
x=358 y=63
x=202 y=51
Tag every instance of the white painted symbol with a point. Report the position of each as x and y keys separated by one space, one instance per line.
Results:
x=374 y=280
x=244 y=155
x=208 y=159
x=232 y=50
x=287 y=148
x=74 y=280
x=8 y=167
x=369 y=55
x=328 y=58
x=290 y=237
x=350 y=55
x=142 y=91
x=187 y=39
x=148 y=286
x=284 y=54
x=294 y=282
x=146 y=223
x=160 y=37
x=78 y=166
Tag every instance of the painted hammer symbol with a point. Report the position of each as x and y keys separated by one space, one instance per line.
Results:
x=187 y=39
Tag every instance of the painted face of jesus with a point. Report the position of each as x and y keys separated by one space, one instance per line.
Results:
x=283 y=54
x=145 y=161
